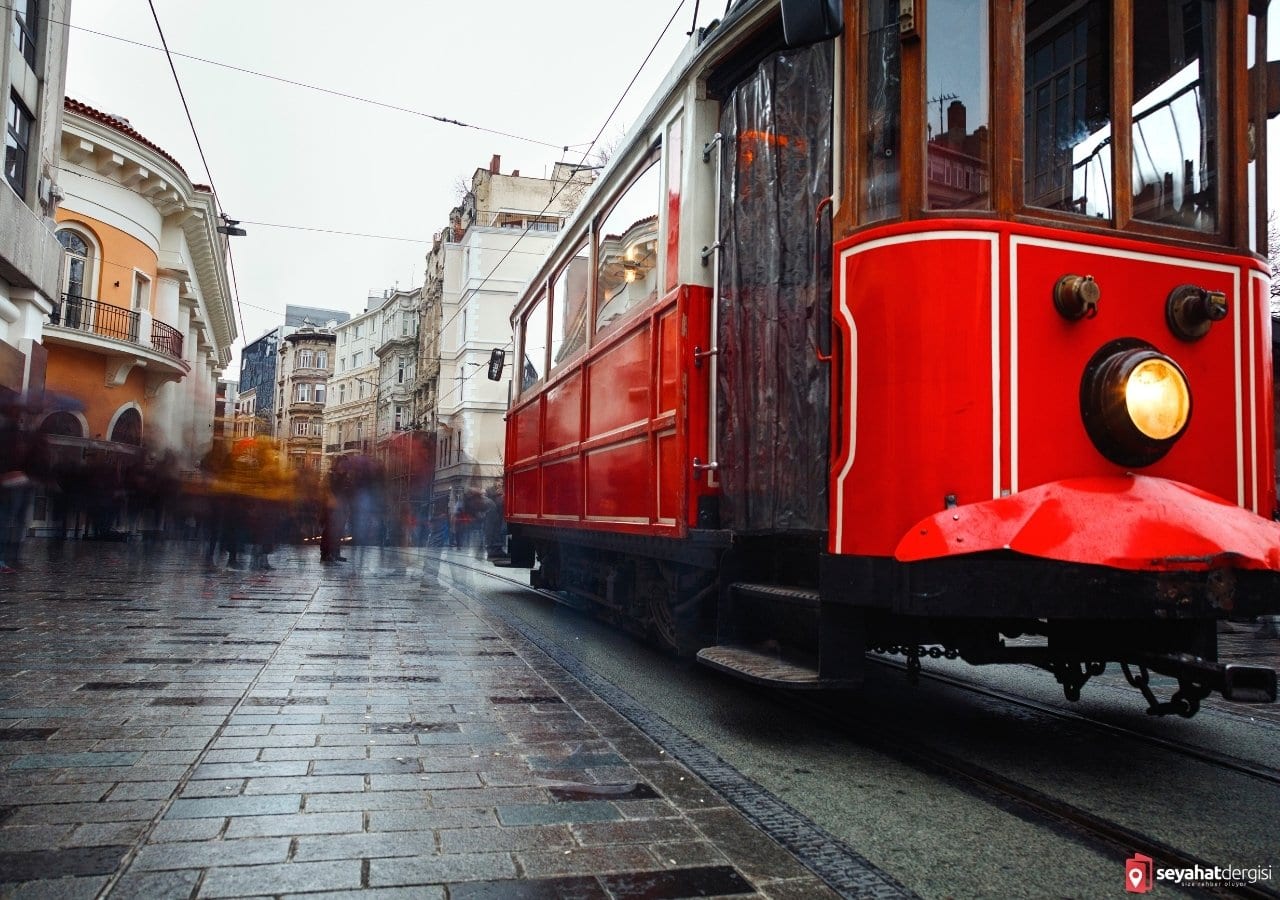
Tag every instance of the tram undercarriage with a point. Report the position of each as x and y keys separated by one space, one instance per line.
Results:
x=778 y=612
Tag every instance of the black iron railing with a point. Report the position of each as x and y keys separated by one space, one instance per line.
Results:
x=84 y=314
x=166 y=339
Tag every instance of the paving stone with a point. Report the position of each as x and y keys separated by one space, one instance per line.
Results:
x=368 y=846
x=188 y=829
x=551 y=813
x=206 y=854
x=439 y=869
x=313 y=784
x=299 y=824
x=423 y=820
x=250 y=769
x=31 y=865
x=216 y=807
x=586 y=861
x=106 y=833
x=278 y=879
x=149 y=885
x=58 y=889
x=74 y=760
x=477 y=840
x=574 y=888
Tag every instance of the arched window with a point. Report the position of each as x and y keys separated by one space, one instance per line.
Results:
x=62 y=423
x=128 y=428
x=77 y=263
x=78 y=256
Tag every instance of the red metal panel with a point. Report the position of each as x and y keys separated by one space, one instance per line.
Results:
x=620 y=482
x=915 y=314
x=618 y=383
x=670 y=476
x=1133 y=522
x=524 y=429
x=670 y=363
x=562 y=488
x=1052 y=353
x=522 y=493
x=564 y=412
x=695 y=304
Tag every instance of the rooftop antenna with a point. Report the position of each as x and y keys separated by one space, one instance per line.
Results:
x=941 y=99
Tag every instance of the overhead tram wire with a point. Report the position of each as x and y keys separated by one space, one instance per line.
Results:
x=235 y=287
x=300 y=84
x=603 y=125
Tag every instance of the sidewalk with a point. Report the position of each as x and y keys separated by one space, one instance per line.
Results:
x=171 y=732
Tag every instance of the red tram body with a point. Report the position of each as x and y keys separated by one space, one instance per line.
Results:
x=805 y=377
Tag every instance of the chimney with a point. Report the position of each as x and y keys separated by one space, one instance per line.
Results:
x=515 y=173
x=957 y=120
x=495 y=165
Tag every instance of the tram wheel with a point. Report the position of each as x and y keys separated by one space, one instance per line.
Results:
x=677 y=599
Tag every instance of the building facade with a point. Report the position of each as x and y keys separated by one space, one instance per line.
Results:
x=399 y=319
x=306 y=362
x=143 y=323
x=33 y=62
x=495 y=241
x=260 y=359
x=351 y=404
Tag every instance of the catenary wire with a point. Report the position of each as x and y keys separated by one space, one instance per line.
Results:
x=605 y=124
x=235 y=291
x=302 y=84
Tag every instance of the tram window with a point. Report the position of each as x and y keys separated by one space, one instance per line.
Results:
x=882 y=190
x=957 y=114
x=534 y=339
x=570 y=308
x=1067 y=107
x=1175 y=102
x=627 y=250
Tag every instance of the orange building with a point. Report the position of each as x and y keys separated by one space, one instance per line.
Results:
x=143 y=325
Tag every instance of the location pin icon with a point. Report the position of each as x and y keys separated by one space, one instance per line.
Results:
x=1135 y=876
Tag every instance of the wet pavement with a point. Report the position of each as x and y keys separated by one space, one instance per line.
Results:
x=172 y=731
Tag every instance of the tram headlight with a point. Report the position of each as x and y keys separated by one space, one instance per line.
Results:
x=1135 y=402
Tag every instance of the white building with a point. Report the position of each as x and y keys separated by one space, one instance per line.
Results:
x=33 y=63
x=351 y=402
x=476 y=268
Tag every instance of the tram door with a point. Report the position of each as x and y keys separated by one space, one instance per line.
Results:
x=774 y=295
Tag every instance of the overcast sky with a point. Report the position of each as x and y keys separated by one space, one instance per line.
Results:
x=549 y=70
x=282 y=155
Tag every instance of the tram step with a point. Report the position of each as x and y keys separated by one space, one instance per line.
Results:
x=765 y=667
x=803 y=597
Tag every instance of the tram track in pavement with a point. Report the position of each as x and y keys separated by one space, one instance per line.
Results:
x=1221 y=760
x=1020 y=799
x=1034 y=806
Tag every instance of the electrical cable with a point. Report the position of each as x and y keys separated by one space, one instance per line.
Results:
x=557 y=193
x=235 y=293
x=300 y=84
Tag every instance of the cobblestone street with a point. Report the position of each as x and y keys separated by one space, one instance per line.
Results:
x=172 y=731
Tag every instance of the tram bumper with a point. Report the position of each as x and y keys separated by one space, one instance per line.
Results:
x=1128 y=522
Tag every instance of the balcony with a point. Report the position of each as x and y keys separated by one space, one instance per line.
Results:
x=116 y=333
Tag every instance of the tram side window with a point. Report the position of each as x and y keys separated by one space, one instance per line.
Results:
x=1175 y=102
x=1067 y=107
x=534 y=339
x=958 y=110
x=627 y=249
x=882 y=189
x=570 y=307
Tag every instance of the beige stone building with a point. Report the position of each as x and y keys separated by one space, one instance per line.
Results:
x=306 y=363
x=495 y=240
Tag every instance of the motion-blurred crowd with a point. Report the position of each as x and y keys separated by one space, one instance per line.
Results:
x=240 y=504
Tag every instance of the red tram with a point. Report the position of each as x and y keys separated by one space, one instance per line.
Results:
x=930 y=328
